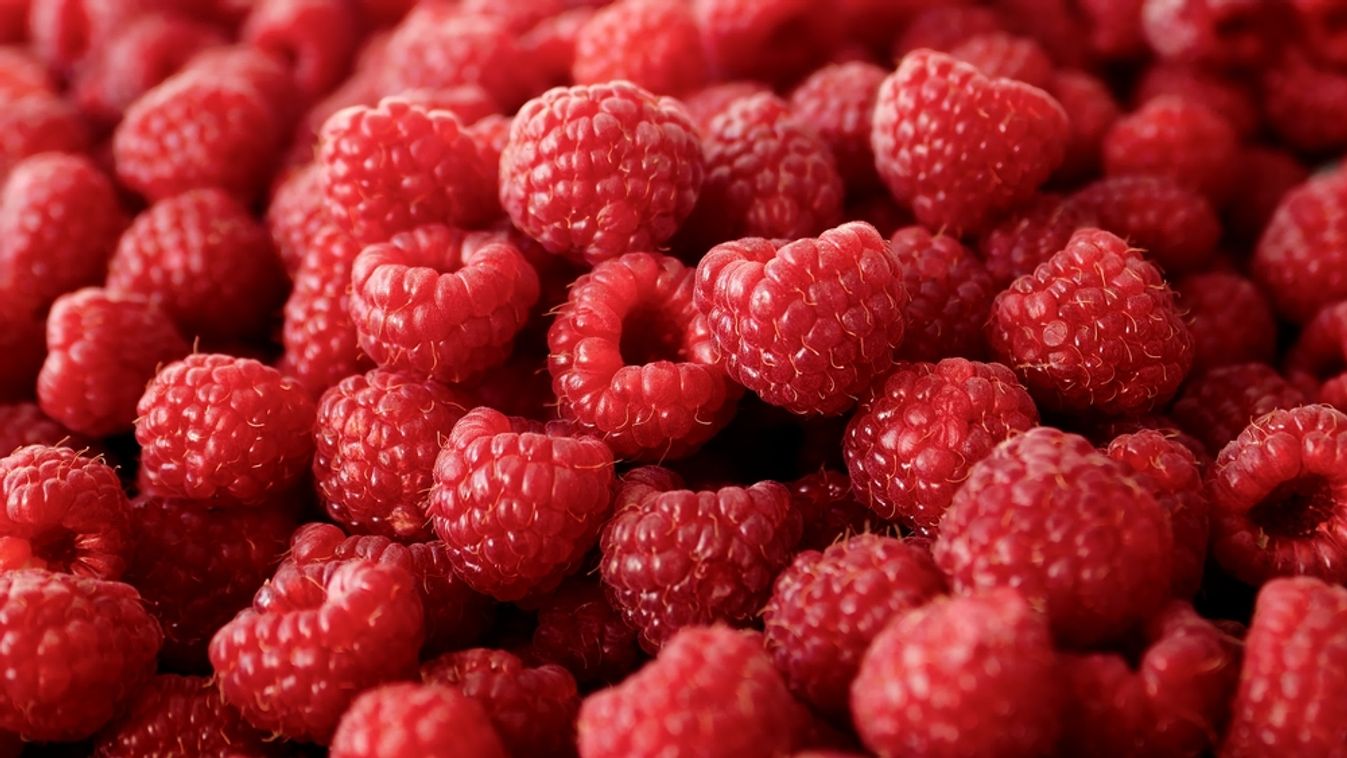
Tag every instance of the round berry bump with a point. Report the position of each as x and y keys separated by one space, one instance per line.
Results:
x=827 y=607
x=580 y=629
x=674 y=557
x=25 y=424
x=424 y=720
x=600 y=170
x=1094 y=329
x=653 y=44
x=951 y=294
x=962 y=676
x=632 y=359
x=1067 y=527
x=807 y=325
x=1216 y=405
x=345 y=626
x=76 y=649
x=829 y=509
x=62 y=512
x=517 y=506
x=320 y=339
x=712 y=692
x=910 y=446
x=440 y=302
x=218 y=426
x=838 y=101
x=180 y=713
x=1301 y=260
x=961 y=147
x=1175 y=226
x=1178 y=138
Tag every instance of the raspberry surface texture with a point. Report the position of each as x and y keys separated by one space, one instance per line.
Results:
x=949 y=296
x=180 y=713
x=415 y=719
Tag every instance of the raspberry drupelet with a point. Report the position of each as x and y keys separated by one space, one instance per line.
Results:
x=425 y=720
x=949 y=294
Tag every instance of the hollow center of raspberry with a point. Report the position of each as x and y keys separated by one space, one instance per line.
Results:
x=650 y=335
x=1295 y=508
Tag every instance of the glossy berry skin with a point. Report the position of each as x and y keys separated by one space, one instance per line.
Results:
x=1067 y=527
x=578 y=628
x=1174 y=137
x=807 y=325
x=654 y=44
x=1297 y=261
x=320 y=339
x=909 y=447
x=595 y=171
x=1174 y=225
x=950 y=294
x=963 y=676
x=216 y=426
x=76 y=650
x=827 y=607
x=180 y=713
x=1218 y=404
x=415 y=719
x=516 y=505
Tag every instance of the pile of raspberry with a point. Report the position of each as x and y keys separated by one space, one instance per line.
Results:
x=673 y=378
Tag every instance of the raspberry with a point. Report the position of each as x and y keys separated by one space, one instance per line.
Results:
x=213 y=425
x=712 y=691
x=21 y=72
x=39 y=123
x=945 y=27
x=63 y=512
x=827 y=607
x=518 y=507
x=1321 y=25
x=433 y=49
x=1094 y=329
x=673 y=557
x=654 y=44
x=440 y=302
x=320 y=339
x=296 y=214
x=600 y=170
x=1030 y=235
x=1221 y=33
x=632 y=360
x=75 y=651
x=22 y=344
x=838 y=102
x=1007 y=56
x=343 y=627
x=1091 y=111
x=951 y=295
x=1266 y=175
x=396 y=166
x=1176 y=138
x=970 y=675
x=263 y=73
x=317 y=37
x=1229 y=318
x=1223 y=95
x=1047 y=514
x=1315 y=362
x=549 y=48
x=775 y=40
x=1301 y=260
x=1176 y=227
x=1217 y=404
x=25 y=424
x=532 y=709
x=808 y=325
x=579 y=629
x=1057 y=25
x=912 y=444
x=521 y=15
x=179 y=713
x=829 y=509
x=1115 y=27
x=467 y=101
x=59 y=221
x=65 y=32
x=712 y=100
x=415 y=719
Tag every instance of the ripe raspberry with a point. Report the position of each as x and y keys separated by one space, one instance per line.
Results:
x=1322 y=26
x=957 y=170
x=1069 y=528
x=1174 y=226
x=1304 y=102
x=712 y=100
x=1301 y=260
x=1115 y=27
x=320 y=339
x=1094 y=329
x=1176 y=138
x=549 y=48
x=467 y=101
x=1030 y=235
x=600 y=170
x=912 y=444
x=970 y=676
x=1225 y=96
x=1219 y=33
x=827 y=607
x=434 y=48
x=951 y=296
x=829 y=509
x=654 y=44
x=214 y=425
x=25 y=424
x=945 y=27
x=632 y=360
x=673 y=557
x=1217 y=404
x=1266 y=176
x=39 y=123
x=22 y=344
x=415 y=719
x=22 y=73
x=1230 y=320
x=180 y=713
x=579 y=629
x=772 y=40
x=1007 y=56
x=317 y=37
x=343 y=626
x=296 y=214
x=838 y=102
x=65 y=32
x=1091 y=111
x=75 y=651
x=1057 y=25
x=440 y=302
x=711 y=692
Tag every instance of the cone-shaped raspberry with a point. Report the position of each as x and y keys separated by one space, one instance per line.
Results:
x=181 y=715
x=424 y=720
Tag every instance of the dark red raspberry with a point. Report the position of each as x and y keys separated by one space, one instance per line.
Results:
x=296 y=214
x=1007 y=56
x=632 y=360
x=1306 y=102
x=1230 y=320
x=23 y=345
x=1057 y=25
x=76 y=650
x=532 y=709
x=415 y=719
x=1266 y=176
x=829 y=509
x=827 y=607
x=1301 y=260
x=712 y=100
x=1030 y=235
x=1069 y=528
x=654 y=44
x=180 y=713
x=1176 y=138
x=910 y=446
x=25 y=424
x=1219 y=33
x=516 y=506
x=1174 y=226
x=1225 y=96
x=1217 y=404
x=1091 y=110
x=343 y=626
x=320 y=339
x=712 y=692
x=39 y=123
x=958 y=173
x=436 y=47
x=674 y=557
x=1321 y=23
x=579 y=629
x=971 y=674
x=317 y=37
x=951 y=296
x=1315 y=362
x=217 y=426
x=774 y=40
x=600 y=170
x=838 y=102
x=945 y=27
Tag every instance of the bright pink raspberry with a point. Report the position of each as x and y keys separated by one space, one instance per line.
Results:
x=838 y=102
x=829 y=508
x=1031 y=234
x=1304 y=101
x=1217 y=404
x=39 y=123
x=1230 y=320
x=1266 y=176
x=1219 y=33
x=321 y=344
x=945 y=27
x=180 y=713
x=1301 y=260
x=436 y=47
x=580 y=629
x=1224 y=95
x=950 y=295
x=25 y=424
x=1007 y=56
x=317 y=38
x=1176 y=227
x=654 y=44
x=1091 y=110
x=1176 y=138
x=424 y=720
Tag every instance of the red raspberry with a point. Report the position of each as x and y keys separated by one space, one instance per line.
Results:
x=827 y=607
x=807 y=325
x=317 y=37
x=532 y=709
x=22 y=72
x=22 y=343
x=654 y=44
x=829 y=509
x=1291 y=689
x=1069 y=528
x=1102 y=431
x=180 y=714
x=1301 y=260
x=1225 y=96
x=439 y=47
x=1007 y=56
x=265 y=74
x=1315 y=362
x=579 y=629
x=320 y=339
x=945 y=27
x=467 y=101
x=440 y=302
x=1230 y=320
x=1217 y=404
x=549 y=48
x=1176 y=138
x=776 y=40
x=520 y=15
x=911 y=445
x=712 y=692
x=838 y=102
x=1115 y=27
x=951 y=296
x=964 y=676
x=632 y=360
x=296 y=213
x=1174 y=226
x=1091 y=111
x=674 y=557
x=1221 y=33
x=343 y=627
x=25 y=424
x=1030 y=235
x=518 y=507
x=1266 y=176
x=214 y=425
x=63 y=512
x=1056 y=24
x=75 y=651
x=711 y=101
x=600 y=170
x=415 y=719
x=1094 y=329
x=65 y=32
x=39 y=123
